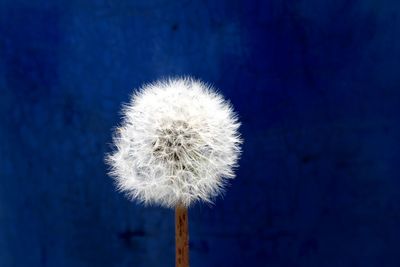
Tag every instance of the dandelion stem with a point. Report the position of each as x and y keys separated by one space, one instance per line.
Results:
x=181 y=236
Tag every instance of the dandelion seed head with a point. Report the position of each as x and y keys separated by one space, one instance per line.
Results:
x=178 y=143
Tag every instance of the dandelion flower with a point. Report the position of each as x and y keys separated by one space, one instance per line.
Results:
x=178 y=144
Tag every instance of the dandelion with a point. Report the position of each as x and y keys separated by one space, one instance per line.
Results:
x=178 y=144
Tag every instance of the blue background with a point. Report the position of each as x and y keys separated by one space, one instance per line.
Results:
x=316 y=84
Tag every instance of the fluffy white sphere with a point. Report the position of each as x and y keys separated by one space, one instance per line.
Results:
x=178 y=143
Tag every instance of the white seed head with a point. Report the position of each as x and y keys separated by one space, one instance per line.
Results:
x=178 y=143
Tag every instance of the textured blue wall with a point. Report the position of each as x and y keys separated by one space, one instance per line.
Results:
x=316 y=84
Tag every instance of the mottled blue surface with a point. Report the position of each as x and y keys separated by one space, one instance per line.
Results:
x=316 y=84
